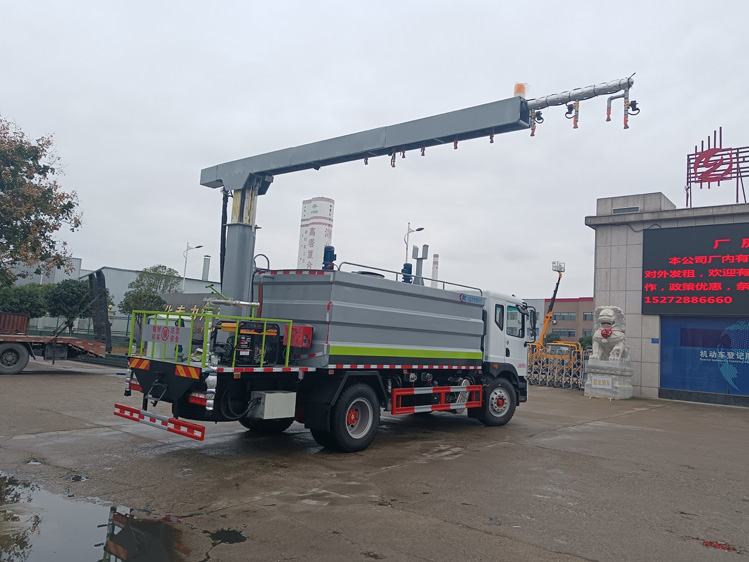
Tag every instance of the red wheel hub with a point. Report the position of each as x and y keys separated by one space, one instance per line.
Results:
x=353 y=416
x=500 y=402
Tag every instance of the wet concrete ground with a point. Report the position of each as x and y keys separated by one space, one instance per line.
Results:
x=568 y=479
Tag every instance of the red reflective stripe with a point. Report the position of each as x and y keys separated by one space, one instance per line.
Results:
x=264 y=369
x=293 y=272
x=433 y=367
x=473 y=400
x=187 y=372
x=136 y=363
x=186 y=429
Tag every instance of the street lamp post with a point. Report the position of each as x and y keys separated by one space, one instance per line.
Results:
x=408 y=233
x=184 y=272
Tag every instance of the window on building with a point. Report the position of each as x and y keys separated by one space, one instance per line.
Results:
x=588 y=316
x=499 y=316
x=587 y=332
x=564 y=333
x=564 y=316
x=515 y=322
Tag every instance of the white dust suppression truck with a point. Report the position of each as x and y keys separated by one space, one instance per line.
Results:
x=332 y=349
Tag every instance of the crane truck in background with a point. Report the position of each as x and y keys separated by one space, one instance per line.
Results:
x=558 y=363
x=331 y=349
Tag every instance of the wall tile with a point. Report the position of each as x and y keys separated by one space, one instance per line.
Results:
x=687 y=221
x=636 y=375
x=602 y=280
x=634 y=235
x=634 y=325
x=603 y=257
x=635 y=350
x=603 y=236
x=648 y=392
x=618 y=278
x=723 y=219
x=616 y=298
x=602 y=298
x=702 y=221
x=650 y=375
x=618 y=256
x=619 y=235
x=604 y=206
x=651 y=352
x=633 y=303
x=651 y=326
x=634 y=255
x=634 y=279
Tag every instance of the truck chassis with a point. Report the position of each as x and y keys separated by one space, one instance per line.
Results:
x=340 y=403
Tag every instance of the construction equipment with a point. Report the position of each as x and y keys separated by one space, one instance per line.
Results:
x=558 y=363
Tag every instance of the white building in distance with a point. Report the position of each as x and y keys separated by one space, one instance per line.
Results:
x=316 y=231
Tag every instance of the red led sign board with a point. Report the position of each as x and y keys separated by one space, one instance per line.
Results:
x=696 y=271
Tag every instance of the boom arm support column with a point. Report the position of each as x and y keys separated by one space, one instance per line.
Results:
x=240 y=237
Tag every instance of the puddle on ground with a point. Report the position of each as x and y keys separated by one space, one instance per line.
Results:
x=38 y=526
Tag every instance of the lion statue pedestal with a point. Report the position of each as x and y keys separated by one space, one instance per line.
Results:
x=608 y=372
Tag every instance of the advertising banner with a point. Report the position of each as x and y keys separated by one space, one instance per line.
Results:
x=696 y=271
x=705 y=354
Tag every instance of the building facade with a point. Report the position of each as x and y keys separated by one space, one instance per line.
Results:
x=681 y=277
x=571 y=318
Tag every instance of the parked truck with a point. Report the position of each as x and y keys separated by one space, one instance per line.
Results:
x=17 y=345
x=332 y=349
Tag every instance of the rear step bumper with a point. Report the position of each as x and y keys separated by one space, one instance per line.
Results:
x=173 y=425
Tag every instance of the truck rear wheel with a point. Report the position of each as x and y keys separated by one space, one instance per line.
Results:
x=13 y=358
x=323 y=438
x=267 y=427
x=499 y=405
x=355 y=418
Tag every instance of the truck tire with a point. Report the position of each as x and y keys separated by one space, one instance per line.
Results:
x=500 y=401
x=323 y=438
x=355 y=418
x=267 y=427
x=13 y=358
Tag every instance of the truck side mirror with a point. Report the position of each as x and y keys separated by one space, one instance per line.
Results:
x=532 y=331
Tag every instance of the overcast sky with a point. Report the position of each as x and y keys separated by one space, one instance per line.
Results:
x=141 y=95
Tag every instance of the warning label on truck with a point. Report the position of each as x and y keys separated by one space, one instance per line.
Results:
x=167 y=334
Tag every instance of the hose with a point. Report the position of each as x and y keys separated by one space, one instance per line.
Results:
x=229 y=413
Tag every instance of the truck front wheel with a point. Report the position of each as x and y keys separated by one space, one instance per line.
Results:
x=13 y=358
x=355 y=418
x=500 y=401
x=267 y=427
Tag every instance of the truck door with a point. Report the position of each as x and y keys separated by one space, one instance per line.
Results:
x=516 y=351
x=506 y=334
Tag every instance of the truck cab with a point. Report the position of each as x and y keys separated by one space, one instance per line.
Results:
x=509 y=328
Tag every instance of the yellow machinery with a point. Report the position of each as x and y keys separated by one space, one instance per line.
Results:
x=558 y=363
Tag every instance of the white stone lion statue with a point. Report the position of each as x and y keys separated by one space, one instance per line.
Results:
x=609 y=339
